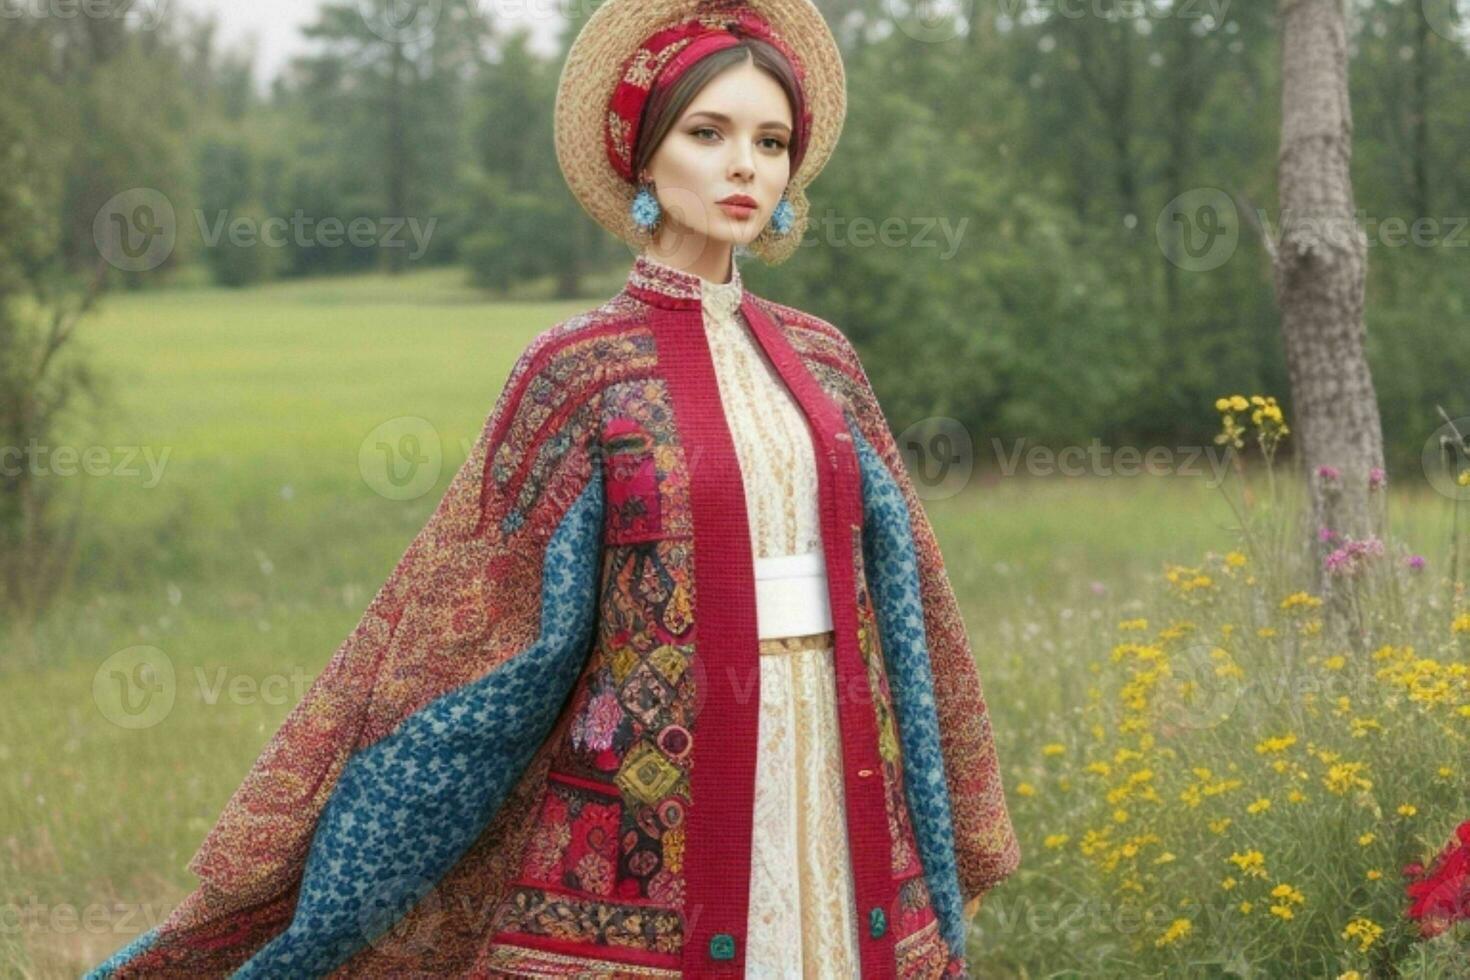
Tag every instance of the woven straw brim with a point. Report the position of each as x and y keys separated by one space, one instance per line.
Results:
x=595 y=62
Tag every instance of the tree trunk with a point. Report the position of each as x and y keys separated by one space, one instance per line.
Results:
x=1320 y=266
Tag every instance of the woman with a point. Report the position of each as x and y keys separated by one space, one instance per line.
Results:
x=673 y=682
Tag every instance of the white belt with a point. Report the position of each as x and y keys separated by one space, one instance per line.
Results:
x=791 y=595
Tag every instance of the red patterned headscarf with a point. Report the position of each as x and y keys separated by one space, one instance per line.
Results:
x=666 y=54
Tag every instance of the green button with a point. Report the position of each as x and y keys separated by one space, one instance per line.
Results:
x=877 y=922
x=722 y=946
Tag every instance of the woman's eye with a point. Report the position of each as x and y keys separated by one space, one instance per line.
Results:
x=780 y=145
x=706 y=129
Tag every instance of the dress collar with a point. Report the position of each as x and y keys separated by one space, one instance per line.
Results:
x=663 y=285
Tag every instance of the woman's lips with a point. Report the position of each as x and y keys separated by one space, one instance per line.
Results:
x=739 y=211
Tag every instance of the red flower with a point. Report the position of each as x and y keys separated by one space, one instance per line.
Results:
x=1443 y=896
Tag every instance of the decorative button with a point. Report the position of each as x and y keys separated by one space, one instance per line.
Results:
x=722 y=944
x=877 y=922
x=865 y=773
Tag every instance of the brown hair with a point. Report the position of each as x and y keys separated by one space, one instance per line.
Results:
x=665 y=106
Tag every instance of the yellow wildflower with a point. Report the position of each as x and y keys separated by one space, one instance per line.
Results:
x=1252 y=863
x=1177 y=930
x=1345 y=776
x=1288 y=893
x=1365 y=931
x=1276 y=744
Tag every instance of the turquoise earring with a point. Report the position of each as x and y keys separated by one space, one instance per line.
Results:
x=645 y=209
x=783 y=216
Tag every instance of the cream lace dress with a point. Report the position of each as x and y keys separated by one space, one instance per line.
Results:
x=803 y=917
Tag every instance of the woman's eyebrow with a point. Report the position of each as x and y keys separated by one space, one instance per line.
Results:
x=721 y=117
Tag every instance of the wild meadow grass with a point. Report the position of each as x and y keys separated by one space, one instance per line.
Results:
x=1143 y=713
x=1232 y=793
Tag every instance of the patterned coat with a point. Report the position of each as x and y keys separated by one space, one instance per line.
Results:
x=535 y=754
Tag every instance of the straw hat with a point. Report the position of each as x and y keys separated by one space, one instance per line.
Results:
x=605 y=58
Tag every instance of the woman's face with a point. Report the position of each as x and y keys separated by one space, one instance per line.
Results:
x=730 y=143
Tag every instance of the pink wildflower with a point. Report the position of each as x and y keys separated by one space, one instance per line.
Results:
x=1350 y=558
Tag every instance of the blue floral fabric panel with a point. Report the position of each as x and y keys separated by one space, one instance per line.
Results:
x=407 y=807
x=892 y=568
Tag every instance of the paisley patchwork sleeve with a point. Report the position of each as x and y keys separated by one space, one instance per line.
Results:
x=986 y=848
x=408 y=740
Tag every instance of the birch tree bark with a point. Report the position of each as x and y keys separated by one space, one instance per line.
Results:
x=1320 y=266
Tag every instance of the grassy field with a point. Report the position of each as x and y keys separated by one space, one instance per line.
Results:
x=251 y=551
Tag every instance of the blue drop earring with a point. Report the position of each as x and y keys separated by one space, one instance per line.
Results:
x=645 y=209
x=783 y=216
